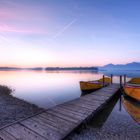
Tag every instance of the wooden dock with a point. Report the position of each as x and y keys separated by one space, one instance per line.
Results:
x=56 y=123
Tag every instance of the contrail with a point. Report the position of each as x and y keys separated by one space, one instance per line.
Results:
x=64 y=28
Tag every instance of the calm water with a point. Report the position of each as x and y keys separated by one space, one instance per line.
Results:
x=47 y=88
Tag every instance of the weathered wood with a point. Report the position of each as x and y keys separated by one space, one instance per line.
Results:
x=69 y=113
x=76 y=109
x=57 y=122
x=120 y=81
x=62 y=116
x=111 y=79
x=92 y=100
x=23 y=133
x=103 y=81
x=4 y=135
x=82 y=115
x=124 y=79
x=96 y=97
x=42 y=129
x=82 y=105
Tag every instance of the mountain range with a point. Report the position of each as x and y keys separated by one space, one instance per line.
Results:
x=128 y=66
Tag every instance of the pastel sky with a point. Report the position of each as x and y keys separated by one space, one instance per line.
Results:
x=69 y=32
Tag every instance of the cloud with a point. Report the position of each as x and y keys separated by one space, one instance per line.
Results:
x=65 y=28
x=14 y=29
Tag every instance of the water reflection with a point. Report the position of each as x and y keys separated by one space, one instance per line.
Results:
x=133 y=108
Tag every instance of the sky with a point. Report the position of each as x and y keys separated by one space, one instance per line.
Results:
x=69 y=32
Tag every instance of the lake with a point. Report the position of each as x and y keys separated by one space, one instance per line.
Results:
x=47 y=88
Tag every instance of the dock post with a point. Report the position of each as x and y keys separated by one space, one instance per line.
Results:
x=124 y=79
x=103 y=80
x=120 y=81
x=111 y=79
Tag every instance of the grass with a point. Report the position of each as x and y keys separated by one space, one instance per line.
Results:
x=5 y=89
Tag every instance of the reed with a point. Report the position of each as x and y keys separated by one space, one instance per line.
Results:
x=5 y=89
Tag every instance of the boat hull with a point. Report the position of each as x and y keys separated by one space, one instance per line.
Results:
x=89 y=86
x=134 y=81
x=132 y=91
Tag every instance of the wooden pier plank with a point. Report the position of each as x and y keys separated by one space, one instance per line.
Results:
x=6 y=136
x=23 y=133
x=76 y=109
x=62 y=116
x=68 y=113
x=82 y=115
x=59 y=123
x=42 y=129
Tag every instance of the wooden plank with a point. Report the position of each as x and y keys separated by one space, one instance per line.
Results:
x=95 y=98
x=57 y=122
x=41 y=128
x=102 y=95
x=46 y=123
x=109 y=89
x=23 y=133
x=77 y=109
x=91 y=101
x=4 y=135
x=49 y=124
x=82 y=105
x=70 y=110
x=70 y=113
x=64 y=117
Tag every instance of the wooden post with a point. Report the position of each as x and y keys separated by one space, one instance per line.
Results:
x=120 y=106
x=111 y=79
x=120 y=81
x=103 y=80
x=124 y=79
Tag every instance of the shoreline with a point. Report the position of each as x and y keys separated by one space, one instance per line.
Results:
x=13 y=109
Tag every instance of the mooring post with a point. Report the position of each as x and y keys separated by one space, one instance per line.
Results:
x=103 y=80
x=111 y=79
x=120 y=106
x=120 y=81
x=124 y=79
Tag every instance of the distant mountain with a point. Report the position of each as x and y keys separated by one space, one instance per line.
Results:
x=128 y=66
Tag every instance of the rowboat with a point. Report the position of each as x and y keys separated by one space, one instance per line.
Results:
x=133 y=109
x=134 y=81
x=89 y=86
x=132 y=88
